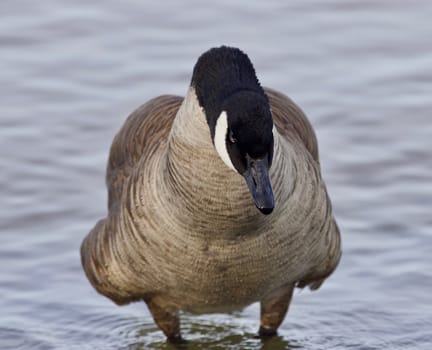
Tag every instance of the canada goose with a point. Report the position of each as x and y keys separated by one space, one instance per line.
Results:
x=215 y=201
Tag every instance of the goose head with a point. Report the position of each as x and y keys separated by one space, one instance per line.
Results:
x=239 y=118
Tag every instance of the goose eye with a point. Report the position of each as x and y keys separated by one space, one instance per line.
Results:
x=231 y=137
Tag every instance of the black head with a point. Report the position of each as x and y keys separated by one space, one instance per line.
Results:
x=239 y=118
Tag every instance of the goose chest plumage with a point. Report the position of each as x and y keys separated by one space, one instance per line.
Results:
x=215 y=201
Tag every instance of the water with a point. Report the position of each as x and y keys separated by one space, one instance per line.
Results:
x=71 y=72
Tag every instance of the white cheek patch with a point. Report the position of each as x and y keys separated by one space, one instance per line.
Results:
x=220 y=139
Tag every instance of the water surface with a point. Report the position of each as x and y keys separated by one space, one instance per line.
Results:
x=70 y=73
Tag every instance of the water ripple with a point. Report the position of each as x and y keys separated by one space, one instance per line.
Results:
x=71 y=73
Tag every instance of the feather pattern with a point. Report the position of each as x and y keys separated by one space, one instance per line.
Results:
x=182 y=225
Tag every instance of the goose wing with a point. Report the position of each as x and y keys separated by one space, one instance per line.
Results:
x=144 y=131
x=290 y=121
x=141 y=135
x=293 y=124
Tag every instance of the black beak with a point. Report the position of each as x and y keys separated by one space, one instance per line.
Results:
x=258 y=181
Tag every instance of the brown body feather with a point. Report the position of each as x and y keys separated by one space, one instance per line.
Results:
x=182 y=231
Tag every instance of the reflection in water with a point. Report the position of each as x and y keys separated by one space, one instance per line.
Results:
x=70 y=73
x=219 y=338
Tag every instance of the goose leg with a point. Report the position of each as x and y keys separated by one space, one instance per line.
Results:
x=273 y=310
x=166 y=317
